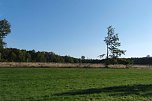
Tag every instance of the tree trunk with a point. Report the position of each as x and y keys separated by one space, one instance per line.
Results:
x=107 y=60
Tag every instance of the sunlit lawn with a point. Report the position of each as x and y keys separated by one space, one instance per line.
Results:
x=75 y=84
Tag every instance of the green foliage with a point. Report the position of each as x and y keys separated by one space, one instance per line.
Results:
x=16 y=55
x=75 y=84
x=82 y=57
x=4 y=31
x=41 y=57
x=113 y=44
x=123 y=61
x=142 y=61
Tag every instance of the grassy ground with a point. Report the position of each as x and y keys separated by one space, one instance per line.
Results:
x=74 y=84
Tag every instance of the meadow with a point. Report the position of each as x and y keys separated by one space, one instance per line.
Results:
x=75 y=84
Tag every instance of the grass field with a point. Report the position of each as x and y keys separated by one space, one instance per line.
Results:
x=75 y=84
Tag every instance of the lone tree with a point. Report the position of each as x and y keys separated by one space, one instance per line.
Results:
x=4 y=31
x=82 y=57
x=113 y=44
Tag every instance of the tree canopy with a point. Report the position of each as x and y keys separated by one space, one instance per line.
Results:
x=5 y=29
x=113 y=44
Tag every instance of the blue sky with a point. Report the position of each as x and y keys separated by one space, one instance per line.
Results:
x=78 y=27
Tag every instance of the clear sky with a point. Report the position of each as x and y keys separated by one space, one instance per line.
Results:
x=78 y=27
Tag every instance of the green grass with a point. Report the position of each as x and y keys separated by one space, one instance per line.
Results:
x=75 y=84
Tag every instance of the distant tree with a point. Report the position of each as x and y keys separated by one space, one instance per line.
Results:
x=148 y=56
x=28 y=57
x=82 y=57
x=82 y=60
x=101 y=56
x=41 y=57
x=33 y=55
x=113 y=44
x=68 y=59
x=4 y=31
x=21 y=56
x=13 y=56
x=76 y=60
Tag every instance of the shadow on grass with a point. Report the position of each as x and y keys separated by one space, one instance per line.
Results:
x=140 y=89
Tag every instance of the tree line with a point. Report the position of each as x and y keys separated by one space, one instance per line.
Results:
x=142 y=61
x=17 y=55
